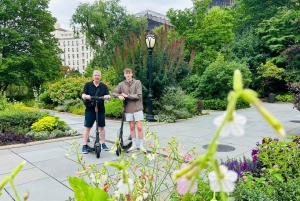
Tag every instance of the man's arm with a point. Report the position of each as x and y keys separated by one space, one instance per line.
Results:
x=85 y=92
x=138 y=94
x=117 y=93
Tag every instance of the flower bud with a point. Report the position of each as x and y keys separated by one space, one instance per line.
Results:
x=237 y=80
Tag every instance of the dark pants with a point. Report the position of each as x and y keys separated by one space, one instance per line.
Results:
x=90 y=118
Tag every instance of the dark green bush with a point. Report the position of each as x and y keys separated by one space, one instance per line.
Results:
x=113 y=108
x=174 y=102
x=222 y=104
x=19 y=120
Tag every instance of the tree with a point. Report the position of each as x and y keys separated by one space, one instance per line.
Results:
x=168 y=66
x=249 y=13
x=280 y=32
x=30 y=54
x=105 y=23
x=207 y=31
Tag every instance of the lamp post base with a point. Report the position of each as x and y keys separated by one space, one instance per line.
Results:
x=150 y=118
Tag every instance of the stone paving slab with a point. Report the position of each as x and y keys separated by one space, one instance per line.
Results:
x=58 y=168
x=5 y=196
x=10 y=161
x=47 y=189
x=44 y=154
x=26 y=176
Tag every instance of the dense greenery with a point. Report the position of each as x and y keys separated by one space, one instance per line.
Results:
x=29 y=52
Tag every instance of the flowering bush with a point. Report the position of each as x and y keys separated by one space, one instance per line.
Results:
x=281 y=154
x=144 y=180
x=48 y=123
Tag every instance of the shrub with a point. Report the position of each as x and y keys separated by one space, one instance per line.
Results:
x=282 y=154
x=284 y=97
x=174 y=102
x=165 y=118
x=77 y=110
x=113 y=108
x=216 y=104
x=42 y=135
x=48 y=123
x=3 y=102
x=216 y=81
x=58 y=133
x=9 y=137
x=19 y=120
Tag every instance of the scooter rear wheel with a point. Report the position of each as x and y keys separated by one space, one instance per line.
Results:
x=97 y=151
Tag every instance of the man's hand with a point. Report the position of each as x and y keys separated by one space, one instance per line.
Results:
x=124 y=95
x=106 y=97
x=88 y=97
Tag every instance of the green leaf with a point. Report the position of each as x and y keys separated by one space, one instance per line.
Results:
x=83 y=192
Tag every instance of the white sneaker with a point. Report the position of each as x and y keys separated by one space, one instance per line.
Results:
x=142 y=149
x=131 y=149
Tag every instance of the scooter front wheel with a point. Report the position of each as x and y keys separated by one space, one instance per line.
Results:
x=97 y=151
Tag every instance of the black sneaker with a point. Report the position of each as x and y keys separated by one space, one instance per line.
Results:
x=104 y=147
x=84 y=149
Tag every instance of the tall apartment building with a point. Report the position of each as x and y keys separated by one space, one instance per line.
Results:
x=76 y=54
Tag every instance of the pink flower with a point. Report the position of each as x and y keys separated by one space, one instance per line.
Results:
x=149 y=144
x=77 y=174
x=166 y=149
x=188 y=157
x=183 y=183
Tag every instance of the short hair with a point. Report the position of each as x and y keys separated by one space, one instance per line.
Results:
x=127 y=70
x=97 y=71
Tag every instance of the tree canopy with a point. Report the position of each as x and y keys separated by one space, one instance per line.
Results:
x=29 y=50
x=105 y=23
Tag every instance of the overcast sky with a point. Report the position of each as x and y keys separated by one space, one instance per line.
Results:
x=64 y=9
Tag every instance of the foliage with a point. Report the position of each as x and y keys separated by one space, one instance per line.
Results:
x=29 y=49
x=217 y=80
x=84 y=192
x=270 y=78
x=113 y=108
x=19 y=121
x=207 y=31
x=150 y=171
x=165 y=118
x=280 y=154
x=107 y=22
x=294 y=89
x=109 y=74
x=242 y=165
x=77 y=110
x=168 y=66
x=284 y=97
x=10 y=137
x=3 y=102
x=250 y=13
x=45 y=98
x=42 y=135
x=217 y=104
x=271 y=188
x=174 y=102
x=48 y=123
x=190 y=83
x=279 y=32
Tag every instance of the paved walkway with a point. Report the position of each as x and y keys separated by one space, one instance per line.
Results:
x=47 y=168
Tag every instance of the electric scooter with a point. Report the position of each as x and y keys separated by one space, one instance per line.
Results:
x=93 y=145
x=123 y=146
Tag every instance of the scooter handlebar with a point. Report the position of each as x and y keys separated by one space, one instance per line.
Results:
x=97 y=97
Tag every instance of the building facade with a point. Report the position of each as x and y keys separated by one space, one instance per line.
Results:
x=76 y=54
x=154 y=19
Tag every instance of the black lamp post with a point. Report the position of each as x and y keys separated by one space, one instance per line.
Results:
x=150 y=42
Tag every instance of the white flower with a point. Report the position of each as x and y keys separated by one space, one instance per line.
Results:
x=134 y=156
x=104 y=178
x=145 y=195
x=227 y=180
x=117 y=194
x=234 y=126
x=92 y=177
x=151 y=157
x=125 y=188
x=140 y=198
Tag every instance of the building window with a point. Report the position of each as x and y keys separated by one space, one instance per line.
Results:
x=82 y=48
x=82 y=54
x=77 y=42
x=77 y=56
x=68 y=49
x=73 y=56
x=73 y=62
x=72 y=49
x=72 y=43
x=64 y=49
x=82 y=41
x=87 y=55
x=77 y=49
x=83 y=67
x=68 y=56
x=83 y=61
x=77 y=62
x=68 y=42
x=69 y=62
